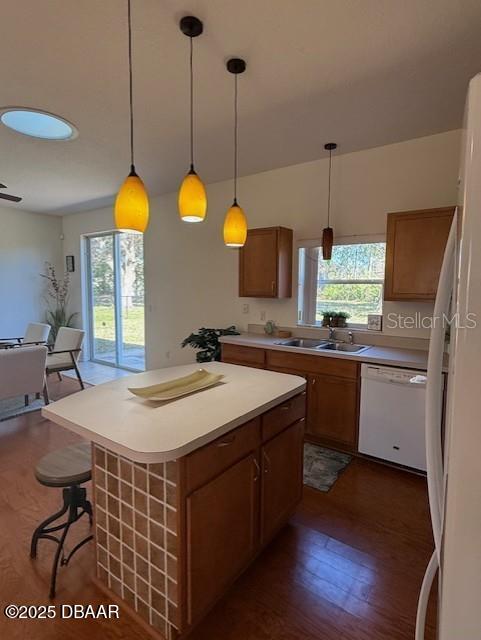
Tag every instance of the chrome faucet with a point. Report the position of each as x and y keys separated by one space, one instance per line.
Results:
x=351 y=337
x=332 y=333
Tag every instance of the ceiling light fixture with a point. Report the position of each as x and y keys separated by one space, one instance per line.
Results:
x=327 y=232
x=235 y=223
x=192 y=194
x=131 y=210
x=37 y=123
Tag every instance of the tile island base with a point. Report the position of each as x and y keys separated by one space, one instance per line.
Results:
x=171 y=537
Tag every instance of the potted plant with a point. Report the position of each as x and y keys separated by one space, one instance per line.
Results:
x=334 y=319
x=342 y=318
x=207 y=340
x=326 y=318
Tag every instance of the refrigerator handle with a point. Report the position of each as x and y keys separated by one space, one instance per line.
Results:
x=424 y=596
x=434 y=389
x=434 y=394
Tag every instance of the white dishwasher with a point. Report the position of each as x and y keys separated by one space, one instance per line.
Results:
x=391 y=424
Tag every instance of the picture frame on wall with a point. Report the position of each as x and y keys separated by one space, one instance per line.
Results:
x=70 y=263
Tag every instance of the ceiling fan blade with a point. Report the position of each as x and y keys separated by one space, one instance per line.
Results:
x=6 y=196
x=2 y=186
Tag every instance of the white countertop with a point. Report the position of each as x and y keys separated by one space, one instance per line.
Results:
x=144 y=431
x=409 y=358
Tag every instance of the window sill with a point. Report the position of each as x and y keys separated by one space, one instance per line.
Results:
x=350 y=327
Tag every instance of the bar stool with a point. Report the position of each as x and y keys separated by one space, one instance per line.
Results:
x=67 y=469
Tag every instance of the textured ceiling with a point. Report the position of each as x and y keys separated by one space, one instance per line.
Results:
x=361 y=73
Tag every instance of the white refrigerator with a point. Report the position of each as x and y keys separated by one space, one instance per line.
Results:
x=454 y=466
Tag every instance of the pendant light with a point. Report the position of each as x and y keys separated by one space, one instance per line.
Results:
x=235 y=223
x=192 y=195
x=131 y=210
x=327 y=232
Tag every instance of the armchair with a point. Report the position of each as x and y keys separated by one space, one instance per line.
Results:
x=22 y=372
x=35 y=334
x=65 y=352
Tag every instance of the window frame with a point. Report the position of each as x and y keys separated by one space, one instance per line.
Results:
x=308 y=282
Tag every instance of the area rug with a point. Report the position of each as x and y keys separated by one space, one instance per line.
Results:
x=13 y=407
x=323 y=466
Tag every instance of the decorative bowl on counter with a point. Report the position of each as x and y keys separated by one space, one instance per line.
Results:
x=178 y=387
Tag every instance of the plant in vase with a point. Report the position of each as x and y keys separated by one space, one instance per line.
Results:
x=326 y=318
x=207 y=340
x=56 y=297
x=334 y=319
x=342 y=318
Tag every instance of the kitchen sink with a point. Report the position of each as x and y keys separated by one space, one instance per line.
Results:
x=304 y=343
x=343 y=346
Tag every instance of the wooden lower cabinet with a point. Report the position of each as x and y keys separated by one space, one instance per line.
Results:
x=222 y=533
x=282 y=465
x=332 y=410
x=332 y=413
x=235 y=494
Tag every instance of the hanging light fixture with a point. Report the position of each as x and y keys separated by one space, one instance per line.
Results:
x=131 y=210
x=192 y=195
x=235 y=222
x=327 y=232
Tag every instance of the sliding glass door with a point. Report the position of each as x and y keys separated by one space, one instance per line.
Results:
x=115 y=281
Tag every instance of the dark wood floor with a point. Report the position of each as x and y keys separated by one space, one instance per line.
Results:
x=348 y=567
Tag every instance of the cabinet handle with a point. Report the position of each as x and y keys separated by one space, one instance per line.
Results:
x=225 y=443
x=285 y=407
x=273 y=286
x=313 y=381
x=258 y=470
x=267 y=462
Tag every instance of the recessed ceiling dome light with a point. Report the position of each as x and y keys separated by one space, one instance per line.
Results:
x=37 y=124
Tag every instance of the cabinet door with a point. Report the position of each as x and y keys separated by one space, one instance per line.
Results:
x=332 y=410
x=414 y=252
x=222 y=533
x=258 y=264
x=282 y=465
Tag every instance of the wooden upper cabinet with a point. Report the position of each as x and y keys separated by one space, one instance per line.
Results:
x=265 y=264
x=414 y=252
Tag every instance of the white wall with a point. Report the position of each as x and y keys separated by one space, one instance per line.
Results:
x=191 y=278
x=27 y=241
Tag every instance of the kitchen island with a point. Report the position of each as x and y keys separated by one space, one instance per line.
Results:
x=187 y=492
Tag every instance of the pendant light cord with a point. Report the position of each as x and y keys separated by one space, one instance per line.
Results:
x=329 y=189
x=235 y=138
x=191 y=62
x=129 y=14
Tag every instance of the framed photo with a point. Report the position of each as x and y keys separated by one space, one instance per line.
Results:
x=374 y=322
x=70 y=262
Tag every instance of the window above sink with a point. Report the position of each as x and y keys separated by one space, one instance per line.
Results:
x=351 y=282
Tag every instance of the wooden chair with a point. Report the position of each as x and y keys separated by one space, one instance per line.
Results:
x=67 y=469
x=65 y=353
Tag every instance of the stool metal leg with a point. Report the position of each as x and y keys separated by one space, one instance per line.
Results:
x=41 y=530
x=76 y=503
x=53 y=579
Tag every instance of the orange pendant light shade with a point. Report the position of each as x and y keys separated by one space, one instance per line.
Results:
x=192 y=198
x=131 y=210
x=235 y=222
x=235 y=227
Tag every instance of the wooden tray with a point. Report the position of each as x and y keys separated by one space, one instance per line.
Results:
x=178 y=387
